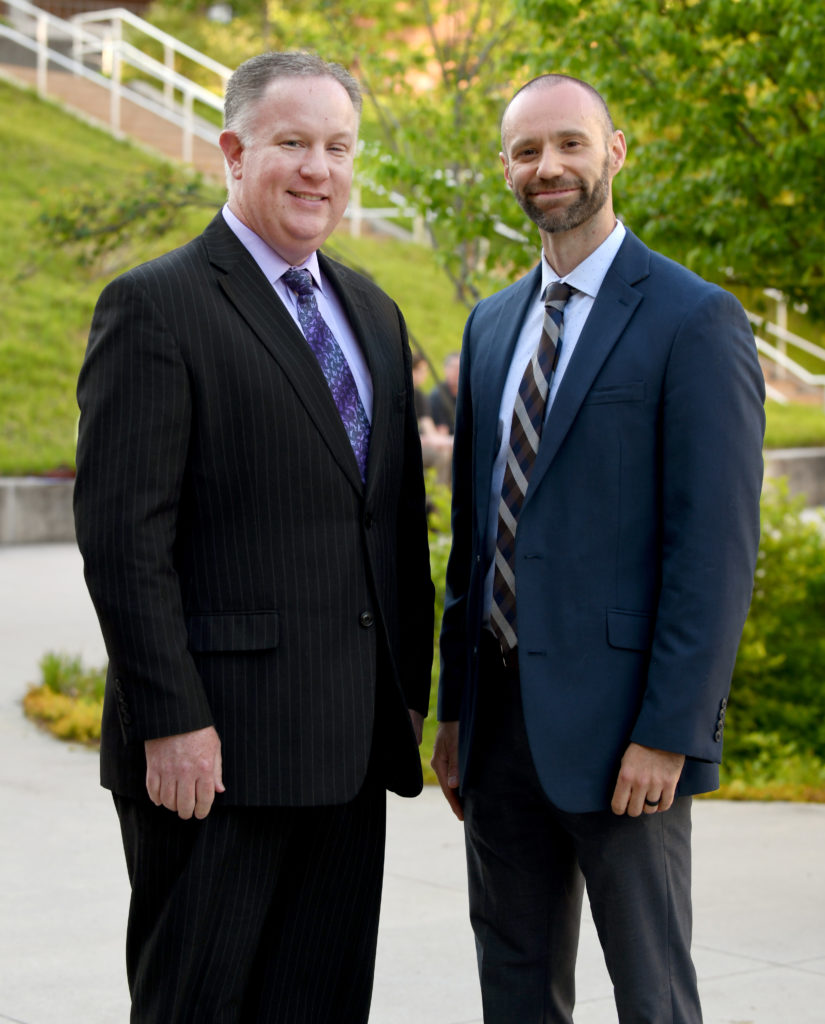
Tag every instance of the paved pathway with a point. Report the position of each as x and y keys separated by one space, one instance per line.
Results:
x=759 y=875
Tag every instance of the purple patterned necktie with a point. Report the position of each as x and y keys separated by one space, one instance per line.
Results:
x=333 y=362
x=525 y=435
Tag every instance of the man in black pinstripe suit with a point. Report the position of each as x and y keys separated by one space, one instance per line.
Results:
x=267 y=612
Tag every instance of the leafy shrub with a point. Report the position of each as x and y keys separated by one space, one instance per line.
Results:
x=69 y=699
x=776 y=715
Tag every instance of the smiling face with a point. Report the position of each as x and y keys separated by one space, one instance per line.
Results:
x=290 y=179
x=560 y=156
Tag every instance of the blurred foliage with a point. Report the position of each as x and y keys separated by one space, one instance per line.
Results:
x=69 y=699
x=435 y=76
x=794 y=426
x=723 y=103
x=104 y=226
x=47 y=288
x=775 y=732
x=438 y=512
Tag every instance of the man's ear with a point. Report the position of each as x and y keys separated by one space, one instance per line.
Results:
x=618 y=151
x=506 y=166
x=232 y=149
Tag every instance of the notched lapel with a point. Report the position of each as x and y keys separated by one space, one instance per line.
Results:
x=614 y=306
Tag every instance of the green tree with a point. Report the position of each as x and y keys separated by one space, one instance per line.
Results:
x=724 y=107
x=436 y=91
x=436 y=75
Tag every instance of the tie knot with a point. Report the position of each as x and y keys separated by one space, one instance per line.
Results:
x=557 y=293
x=300 y=281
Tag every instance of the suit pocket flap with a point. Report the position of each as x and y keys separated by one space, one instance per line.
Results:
x=632 y=391
x=631 y=630
x=233 y=631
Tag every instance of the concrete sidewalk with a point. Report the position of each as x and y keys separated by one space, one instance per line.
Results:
x=759 y=888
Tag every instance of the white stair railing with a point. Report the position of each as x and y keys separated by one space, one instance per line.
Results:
x=100 y=35
x=776 y=350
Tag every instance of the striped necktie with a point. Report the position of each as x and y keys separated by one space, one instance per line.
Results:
x=525 y=435
x=333 y=362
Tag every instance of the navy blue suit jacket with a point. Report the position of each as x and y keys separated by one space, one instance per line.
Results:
x=637 y=540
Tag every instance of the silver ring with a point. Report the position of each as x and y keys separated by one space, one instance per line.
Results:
x=652 y=803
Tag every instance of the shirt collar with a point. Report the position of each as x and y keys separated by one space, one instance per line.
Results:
x=272 y=265
x=588 y=275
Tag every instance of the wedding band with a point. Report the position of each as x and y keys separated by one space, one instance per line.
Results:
x=652 y=803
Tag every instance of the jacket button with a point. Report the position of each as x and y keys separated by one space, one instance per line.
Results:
x=717 y=735
x=366 y=619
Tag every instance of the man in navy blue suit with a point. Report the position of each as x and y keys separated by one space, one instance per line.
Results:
x=606 y=525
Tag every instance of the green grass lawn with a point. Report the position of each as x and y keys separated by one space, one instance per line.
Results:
x=46 y=298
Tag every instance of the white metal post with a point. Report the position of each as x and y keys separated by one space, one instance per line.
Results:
x=168 y=88
x=114 y=100
x=188 y=126
x=42 y=54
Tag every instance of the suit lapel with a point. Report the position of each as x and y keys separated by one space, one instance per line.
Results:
x=614 y=306
x=255 y=299
x=494 y=364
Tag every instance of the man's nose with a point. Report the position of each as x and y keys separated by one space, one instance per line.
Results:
x=315 y=163
x=550 y=164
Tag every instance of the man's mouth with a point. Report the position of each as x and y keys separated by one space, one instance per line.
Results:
x=555 y=189
x=311 y=197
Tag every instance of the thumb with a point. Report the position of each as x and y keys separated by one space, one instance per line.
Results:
x=219 y=786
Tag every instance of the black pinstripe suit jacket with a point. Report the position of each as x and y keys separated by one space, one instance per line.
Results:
x=242 y=574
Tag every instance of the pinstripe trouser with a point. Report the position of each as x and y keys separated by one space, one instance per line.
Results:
x=254 y=914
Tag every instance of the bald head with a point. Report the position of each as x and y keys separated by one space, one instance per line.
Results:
x=552 y=81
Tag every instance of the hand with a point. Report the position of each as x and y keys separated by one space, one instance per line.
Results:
x=183 y=772
x=646 y=775
x=445 y=764
x=417 y=720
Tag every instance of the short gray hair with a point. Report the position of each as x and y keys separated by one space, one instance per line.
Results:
x=251 y=79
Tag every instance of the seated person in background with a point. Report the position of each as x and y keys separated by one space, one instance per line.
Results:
x=442 y=397
x=420 y=371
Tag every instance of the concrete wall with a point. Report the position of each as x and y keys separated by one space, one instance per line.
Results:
x=35 y=510
x=804 y=468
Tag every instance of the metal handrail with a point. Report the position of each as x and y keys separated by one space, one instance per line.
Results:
x=120 y=14
x=783 y=334
x=816 y=380
x=115 y=53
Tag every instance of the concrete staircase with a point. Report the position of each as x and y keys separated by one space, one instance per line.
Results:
x=62 y=60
